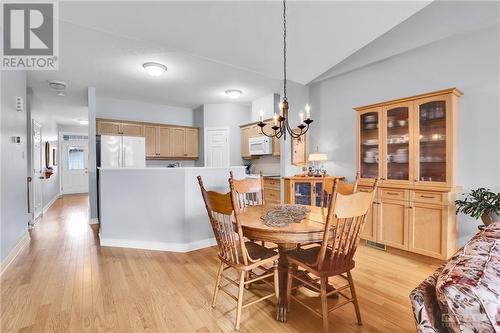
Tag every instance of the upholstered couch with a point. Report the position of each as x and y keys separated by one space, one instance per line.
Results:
x=463 y=295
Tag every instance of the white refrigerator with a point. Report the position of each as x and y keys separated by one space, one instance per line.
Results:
x=122 y=151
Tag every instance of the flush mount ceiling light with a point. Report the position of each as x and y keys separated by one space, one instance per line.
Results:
x=154 y=68
x=58 y=86
x=233 y=93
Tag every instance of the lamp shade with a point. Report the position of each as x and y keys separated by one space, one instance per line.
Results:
x=317 y=157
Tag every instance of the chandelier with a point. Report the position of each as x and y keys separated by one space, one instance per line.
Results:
x=280 y=125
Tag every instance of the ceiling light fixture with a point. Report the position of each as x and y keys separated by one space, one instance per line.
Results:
x=233 y=93
x=154 y=68
x=58 y=86
x=83 y=122
x=280 y=122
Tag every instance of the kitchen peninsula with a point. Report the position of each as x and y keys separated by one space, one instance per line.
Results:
x=158 y=208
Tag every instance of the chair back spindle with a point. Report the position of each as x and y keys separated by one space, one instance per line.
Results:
x=342 y=188
x=225 y=225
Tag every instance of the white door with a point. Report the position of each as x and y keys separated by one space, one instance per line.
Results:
x=37 y=169
x=74 y=160
x=217 y=147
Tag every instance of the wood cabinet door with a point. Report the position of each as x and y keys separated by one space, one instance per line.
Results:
x=369 y=231
x=276 y=147
x=369 y=136
x=428 y=232
x=191 y=149
x=151 y=138
x=178 y=142
x=393 y=223
x=299 y=150
x=108 y=127
x=132 y=129
x=164 y=141
x=245 y=135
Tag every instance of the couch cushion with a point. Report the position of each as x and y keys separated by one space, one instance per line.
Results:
x=468 y=288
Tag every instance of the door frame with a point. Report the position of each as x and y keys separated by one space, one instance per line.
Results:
x=31 y=197
x=205 y=132
x=59 y=156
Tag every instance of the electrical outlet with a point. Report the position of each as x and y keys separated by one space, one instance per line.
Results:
x=19 y=104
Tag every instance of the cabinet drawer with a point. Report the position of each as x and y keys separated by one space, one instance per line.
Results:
x=394 y=194
x=430 y=197
x=272 y=182
x=272 y=196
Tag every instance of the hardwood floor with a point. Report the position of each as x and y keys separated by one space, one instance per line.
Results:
x=64 y=281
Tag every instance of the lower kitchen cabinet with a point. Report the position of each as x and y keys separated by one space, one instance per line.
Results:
x=369 y=231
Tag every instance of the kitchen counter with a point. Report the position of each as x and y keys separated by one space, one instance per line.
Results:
x=158 y=208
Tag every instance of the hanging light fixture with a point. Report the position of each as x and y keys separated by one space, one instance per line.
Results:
x=281 y=125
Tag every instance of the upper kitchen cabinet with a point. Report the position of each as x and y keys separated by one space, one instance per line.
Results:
x=117 y=127
x=168 y=142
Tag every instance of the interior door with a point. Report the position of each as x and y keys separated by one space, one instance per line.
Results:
x=74 y=167
x=37 y=169
x=217 y=147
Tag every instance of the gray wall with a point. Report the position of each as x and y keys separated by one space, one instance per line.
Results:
x=113 y=108
x=13 y=194
x=469 y=62
x=230 y=116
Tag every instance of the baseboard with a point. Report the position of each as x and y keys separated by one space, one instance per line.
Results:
x=94 y=220
x=51 y=202
x=25 y=240
x=158 y=246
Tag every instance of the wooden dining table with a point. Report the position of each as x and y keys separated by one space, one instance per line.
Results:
x=288 y=237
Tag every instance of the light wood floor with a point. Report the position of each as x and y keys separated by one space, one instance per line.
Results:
x=64 y=281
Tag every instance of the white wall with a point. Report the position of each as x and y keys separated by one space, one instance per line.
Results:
x=469 y=62
x=113 y=108
x=199 y=121
x=268 y=105
x=13 y=163
x=230 y=116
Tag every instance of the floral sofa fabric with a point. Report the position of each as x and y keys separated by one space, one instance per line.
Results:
x=464 y=294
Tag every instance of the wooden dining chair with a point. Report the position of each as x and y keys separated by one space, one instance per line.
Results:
x=249 y=192
x=334 y=257
x=235 y=253
x=343 y=188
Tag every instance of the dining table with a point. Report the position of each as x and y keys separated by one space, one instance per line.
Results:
x=308 y=230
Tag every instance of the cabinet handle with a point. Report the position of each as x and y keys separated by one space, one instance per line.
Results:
x=428 y=196
x=392 y=193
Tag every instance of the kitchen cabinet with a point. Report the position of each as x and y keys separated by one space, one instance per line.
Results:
x=299 y=150
x=369 y=231
x=252 y=130
x=162 y=141
x=272 y=190
x=411 y=144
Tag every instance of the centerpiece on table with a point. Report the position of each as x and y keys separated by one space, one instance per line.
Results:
x=283 y=215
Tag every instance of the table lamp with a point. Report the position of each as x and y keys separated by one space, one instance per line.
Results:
x=315 y=158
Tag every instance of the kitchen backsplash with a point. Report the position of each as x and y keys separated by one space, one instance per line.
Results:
x=266 y=164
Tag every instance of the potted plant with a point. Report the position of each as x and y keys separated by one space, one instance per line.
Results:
x=481 y=203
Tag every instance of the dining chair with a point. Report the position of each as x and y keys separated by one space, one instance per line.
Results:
x=249 y=192
x=334 y=257
x=235 y=253
x=343 y=188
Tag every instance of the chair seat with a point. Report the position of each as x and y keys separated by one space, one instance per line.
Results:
x=307 y=257
x=256 y=251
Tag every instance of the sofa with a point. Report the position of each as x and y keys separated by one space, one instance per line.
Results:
x=463 y=295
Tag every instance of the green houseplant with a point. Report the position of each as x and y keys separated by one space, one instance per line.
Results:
x=480 y=203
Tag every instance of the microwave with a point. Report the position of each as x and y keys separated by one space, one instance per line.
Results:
x=261 y=145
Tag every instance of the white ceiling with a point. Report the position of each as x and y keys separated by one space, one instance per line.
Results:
x=208 y=46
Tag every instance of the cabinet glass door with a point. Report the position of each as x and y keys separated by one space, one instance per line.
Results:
x=318 y=192
x=302 y=193
x=398 y=143
x=432 y=141
x=369 y=148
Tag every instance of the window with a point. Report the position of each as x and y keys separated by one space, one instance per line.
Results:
x=76 y=158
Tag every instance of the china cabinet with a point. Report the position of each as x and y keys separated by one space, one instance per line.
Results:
x=411 y=144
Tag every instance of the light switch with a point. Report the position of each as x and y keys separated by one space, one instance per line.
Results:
x=19 y=104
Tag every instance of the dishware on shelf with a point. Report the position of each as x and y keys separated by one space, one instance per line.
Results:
x=370 y=118
x=371 y=142
x=391 y=123
x=371 y=126
x=402 y=123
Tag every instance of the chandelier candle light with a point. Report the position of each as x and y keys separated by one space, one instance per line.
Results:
x=280 y=123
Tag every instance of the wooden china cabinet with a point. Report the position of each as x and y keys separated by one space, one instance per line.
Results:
x=411 y=144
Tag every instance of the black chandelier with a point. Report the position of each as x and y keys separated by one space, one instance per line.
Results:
x=280 y=123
